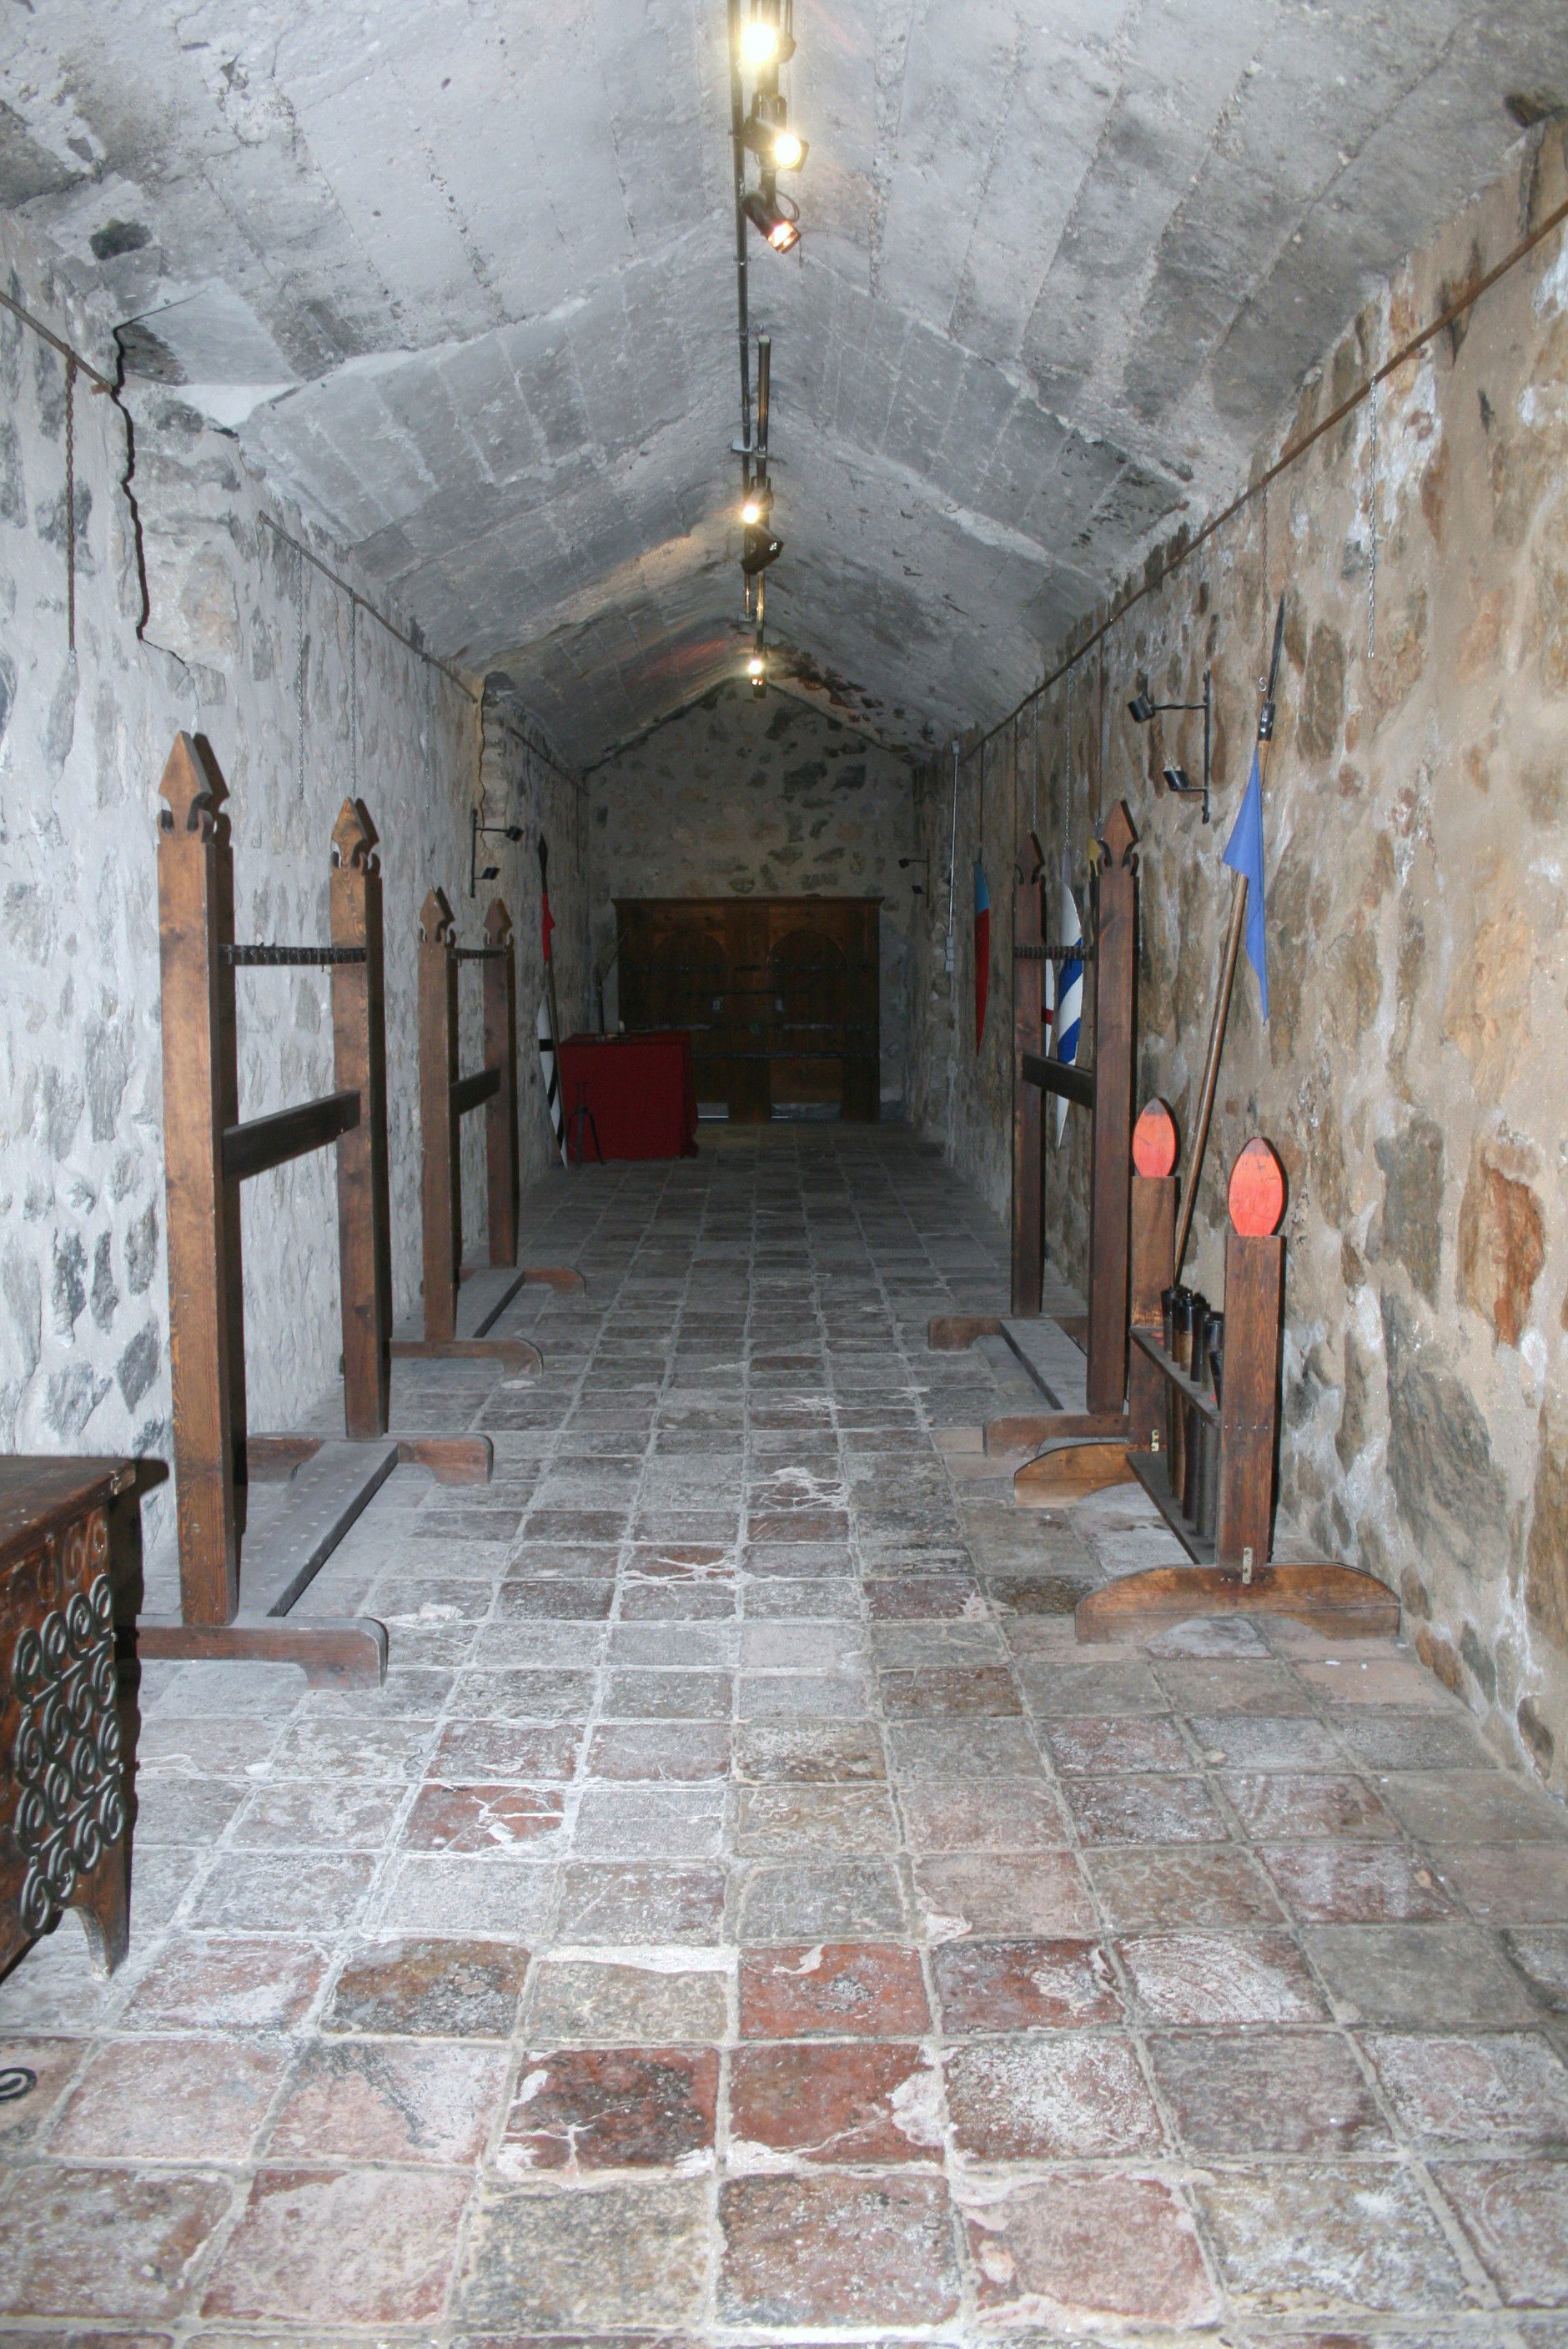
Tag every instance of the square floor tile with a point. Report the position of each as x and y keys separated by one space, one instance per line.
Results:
x=827 y=2249
x=611 y=2108
x=1510 y=1884
x=617 y=2002
x=633 y=1902
x=842 y=1899
x=1272 y=1805
x=972 y=1814
x=1122 y=2246
x=1428 y=1977
x=1024 y=1985
x=369 y=2100
x=477 y=1819
x=1053 y=2096
x=1355 y=1884
x=823 y=1751
x=1130 y=1809
x=1035 y=1893
x=116 y=2243
x=1516 y=2215
x=1267 y=2092
x=430 y=1988
x=171 y=2099
x=1125 y=1742
x=1205 y=1978
x=847 y=1989
x=1351 y=2238
x=1187 y=1885
x=236 y=1983
x=821 y=1820
x=873 y=2101
x=1501 y=2092
x=481 y=1753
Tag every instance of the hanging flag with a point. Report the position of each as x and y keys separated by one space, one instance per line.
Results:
x=1069 y=994
x=549 y=1023
x=982 y=952
x=1244 y=854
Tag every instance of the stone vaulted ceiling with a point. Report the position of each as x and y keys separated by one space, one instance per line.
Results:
x=460 y=272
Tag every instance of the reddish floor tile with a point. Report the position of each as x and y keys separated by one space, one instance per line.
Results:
x=342 y=2247
x=836 y=2251
x=1395 y=1680
x=582 y=2265
x=1253 y=1977
x=977 y=1815
x=1298 y=2092
x=1144 y=1810
x=1516 y=2215
x=833 y=1752
x=1034 y=2098
x=870 y=1990
x=789 y=1525
x=950 y=1693
x=388 y=2101
x=1233 y=1685
x=1122 y=1742
x=430 y=1988
x=1024 y=1985
x=874 y=2101
x=1352 y=2237
x=658 y=1750
x=1512 y=1884
x=934 y=1596
x=233 y=1984
x=484 y=1752
x=791 y=1817
x=23 y=2119
x=1505 y=2091
x=335 y=1816
x=1193 y=1885
x=611 y=2108
x=1355 y=1884
x=104 y=2242
x=1285 y=1803
x=1041 y=1893
x=173 y=2099
x=1089 y=2248
x=483 y=1819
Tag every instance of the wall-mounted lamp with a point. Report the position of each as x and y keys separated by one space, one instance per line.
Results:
x=770 y=138
x=490 y=871
x=1177 y=781
x=767 y=35
x=756 y=670
x=915 y=887
x=761 y=549
x=756 y=504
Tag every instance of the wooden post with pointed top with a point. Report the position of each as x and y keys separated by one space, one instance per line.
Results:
x=1111 y=1164
x=364 y=1187
x=442 y=1182
x=500 y=1116
x=202 y=1228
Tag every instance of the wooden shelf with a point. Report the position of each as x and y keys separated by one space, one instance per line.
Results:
x=1153 y=1470
x=1202 y=1401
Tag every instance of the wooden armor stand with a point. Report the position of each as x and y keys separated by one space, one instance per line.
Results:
x=1229 y=1438
x=445 y=1099
x=1105 y=1091
x=209 y=1153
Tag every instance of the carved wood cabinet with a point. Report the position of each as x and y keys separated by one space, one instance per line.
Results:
x=63 y=1817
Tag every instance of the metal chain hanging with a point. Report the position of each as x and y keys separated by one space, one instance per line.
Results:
x=299 y=676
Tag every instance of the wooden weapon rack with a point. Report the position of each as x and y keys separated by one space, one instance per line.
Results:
x=1207 y=1461
x=209 y=1153
x=446 y=1098
x=1105 y=1091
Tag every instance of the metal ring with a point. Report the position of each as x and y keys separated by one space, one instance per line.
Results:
x=82 y=1762
x=112 y=1814
x=27 y=1753
x=110 y=1743
x=57 y=1791
x=31 y=1824
x=53 y=1638
x=27 y=1664
x=36 y=1904
x=54 y=1720
x=86 y=1841
x=17 y=2082
x=80 y=1628
x=103 y=1678
x=60 y=1868
x=100 y=1598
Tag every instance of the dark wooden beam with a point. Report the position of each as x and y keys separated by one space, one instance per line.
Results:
x=263 y=1143
x=468 y=1093
x=1068 y=1078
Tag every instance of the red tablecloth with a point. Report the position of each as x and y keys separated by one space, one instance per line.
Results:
x=639 y=1090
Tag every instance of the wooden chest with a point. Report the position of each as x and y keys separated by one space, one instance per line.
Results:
x=62 y=1766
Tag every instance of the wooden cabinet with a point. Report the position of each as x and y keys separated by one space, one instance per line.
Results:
x=62 y=1769
x=781 y=995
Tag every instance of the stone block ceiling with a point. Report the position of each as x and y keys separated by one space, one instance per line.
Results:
x=460 y=276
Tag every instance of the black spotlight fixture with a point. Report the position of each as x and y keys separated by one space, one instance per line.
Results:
x=767 y=35
x=770 y=138
x=776 y=218
x=761 y=549
x=1176 y=780
x=502 y=832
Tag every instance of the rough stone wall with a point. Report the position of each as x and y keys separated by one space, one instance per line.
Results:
x=83 y=738
x=1412 y=1074
x=738 y=797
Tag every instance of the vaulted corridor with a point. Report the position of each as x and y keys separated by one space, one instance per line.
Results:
x=744 y=1914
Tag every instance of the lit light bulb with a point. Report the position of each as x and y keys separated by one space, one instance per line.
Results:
x=751 y=511
x=789 y=152
x=783 y=236
x=755 y=666
x=759 y=42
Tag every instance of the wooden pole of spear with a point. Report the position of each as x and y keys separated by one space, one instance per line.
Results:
x=1233 y=931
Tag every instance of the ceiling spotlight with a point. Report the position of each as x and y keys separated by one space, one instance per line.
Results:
x=757 y=667
x=1180 y=785
x=761 y=549
x=774 y=217
x=1177 y=781
x=779 y=147
x=756 y=504
x=1140 y=709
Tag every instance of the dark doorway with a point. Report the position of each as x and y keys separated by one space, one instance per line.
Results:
x=781 y=995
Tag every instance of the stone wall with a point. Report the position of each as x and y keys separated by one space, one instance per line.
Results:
x=1413 y=1073
x=736 y=797
x=192 y=613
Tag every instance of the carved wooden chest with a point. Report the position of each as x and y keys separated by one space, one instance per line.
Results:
x=62 y=1767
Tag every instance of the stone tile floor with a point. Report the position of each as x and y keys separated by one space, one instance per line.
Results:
x=746 y=1915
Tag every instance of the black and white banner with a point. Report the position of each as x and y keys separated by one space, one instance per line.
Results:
x=552 y=1074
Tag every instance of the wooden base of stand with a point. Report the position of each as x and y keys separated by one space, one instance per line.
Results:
x=1340 y=1601
x=953 y=1333
x=1070 y=1473
x=342 y=1654
x=561 y=1278
x=515 y=1355
x=1025 y=1431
